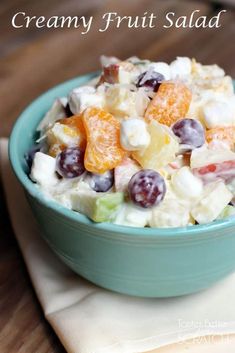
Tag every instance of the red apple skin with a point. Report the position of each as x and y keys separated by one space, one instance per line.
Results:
x=110 y=74
x=212 y=172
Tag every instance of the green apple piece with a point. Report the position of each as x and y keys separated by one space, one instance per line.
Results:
x=216 y=197
x=228 y=211
x=106 y=206
x=100 y=207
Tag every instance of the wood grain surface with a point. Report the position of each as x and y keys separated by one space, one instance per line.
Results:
x=33 y=60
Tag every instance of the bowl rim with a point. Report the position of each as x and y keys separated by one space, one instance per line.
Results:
x=35 y=192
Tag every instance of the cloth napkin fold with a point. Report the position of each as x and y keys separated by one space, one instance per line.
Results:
x=89 y=319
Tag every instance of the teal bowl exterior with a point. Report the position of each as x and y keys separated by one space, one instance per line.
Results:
x=147 y=262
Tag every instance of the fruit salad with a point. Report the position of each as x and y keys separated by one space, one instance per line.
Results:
x=145 y=144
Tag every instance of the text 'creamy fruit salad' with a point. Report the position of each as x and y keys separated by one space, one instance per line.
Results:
x=146 y=144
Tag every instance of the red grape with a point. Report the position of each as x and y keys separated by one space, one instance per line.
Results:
x=150 y=79
x=101 y=182
x=70 y=162
x=147 y=188
x=190 y=132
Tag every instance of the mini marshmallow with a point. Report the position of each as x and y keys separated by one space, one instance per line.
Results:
x=180 y=68
x=186 y=185
x=217 y=113
x=134 y=134
x=162 y=68
x=43 y=170
x=83 y=97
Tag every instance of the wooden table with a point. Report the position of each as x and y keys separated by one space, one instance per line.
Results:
x=32 y=60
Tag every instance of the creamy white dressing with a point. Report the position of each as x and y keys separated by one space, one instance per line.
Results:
x=190 y=195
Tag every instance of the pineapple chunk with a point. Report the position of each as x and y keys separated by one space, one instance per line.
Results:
x=63 y=135
x=161 y=150
x=122 y=102
x=127 y=72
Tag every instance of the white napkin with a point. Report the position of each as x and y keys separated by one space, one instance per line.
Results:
x=89 y=319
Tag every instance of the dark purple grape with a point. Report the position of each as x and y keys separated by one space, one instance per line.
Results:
x=68 y=111
x=29 y=156
x=190 y=132
x=150 y=79
x=70 y=162
x=101 y=182
x=147 y=188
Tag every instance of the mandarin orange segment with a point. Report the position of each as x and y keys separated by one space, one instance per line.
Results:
x=225 y=134
x=103 y=150
x=76 y=123
x=170 y=103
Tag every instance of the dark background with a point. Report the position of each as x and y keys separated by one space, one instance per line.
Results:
x=32 y=60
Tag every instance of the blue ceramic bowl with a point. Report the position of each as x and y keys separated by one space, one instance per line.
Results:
x=144 y=262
